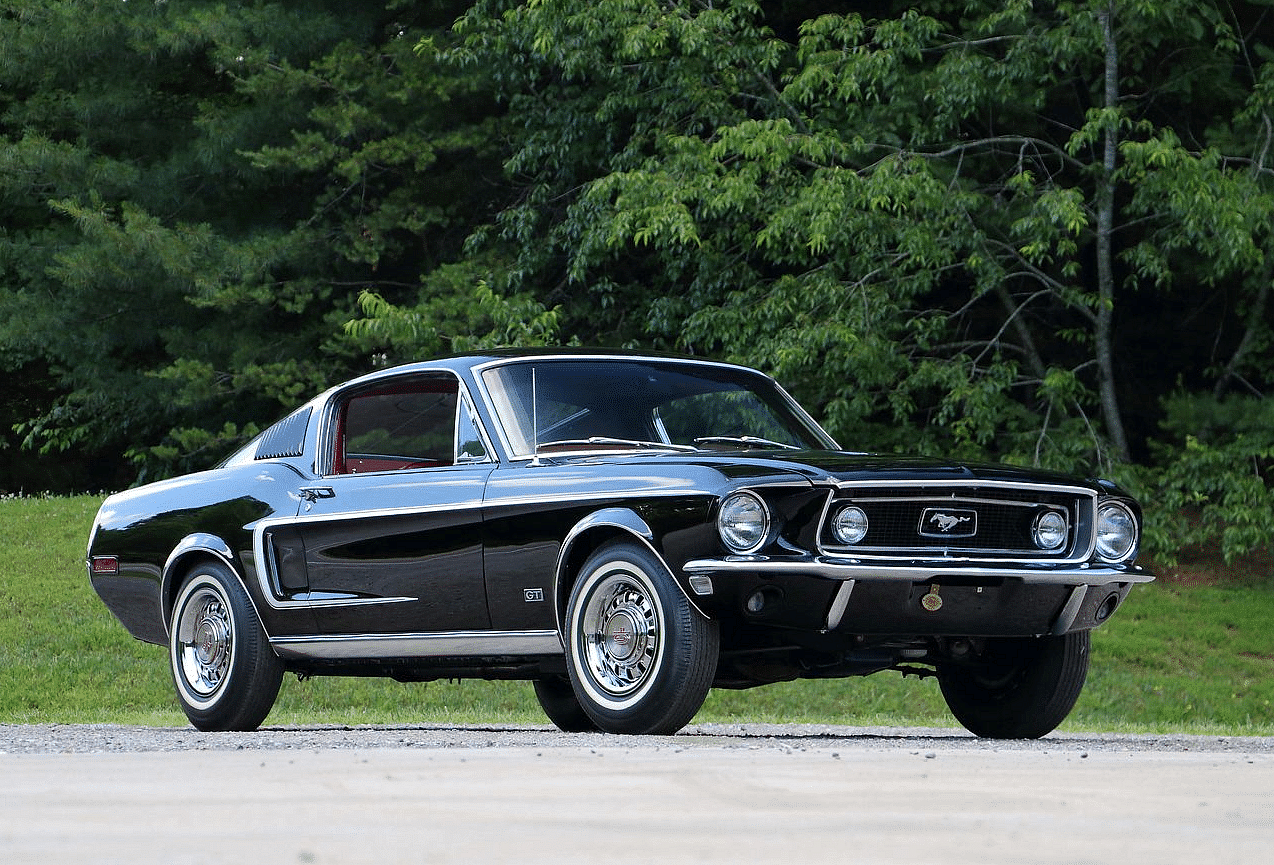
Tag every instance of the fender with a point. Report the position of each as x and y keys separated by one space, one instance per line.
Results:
x=627 y=522
x=199 y=543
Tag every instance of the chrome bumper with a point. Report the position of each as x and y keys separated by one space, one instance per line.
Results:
x=917 y=571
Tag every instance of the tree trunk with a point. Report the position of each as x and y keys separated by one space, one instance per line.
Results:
x=1104 y=331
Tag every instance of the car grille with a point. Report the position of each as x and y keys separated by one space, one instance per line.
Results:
x=962 y=521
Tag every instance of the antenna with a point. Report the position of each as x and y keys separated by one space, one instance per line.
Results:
x=535 y=421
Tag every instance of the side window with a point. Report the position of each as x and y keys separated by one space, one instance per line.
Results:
x=405 y=425
x=469 y=445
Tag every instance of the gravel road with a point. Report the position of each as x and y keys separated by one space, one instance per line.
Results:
x=714 y=793
x=88 y=739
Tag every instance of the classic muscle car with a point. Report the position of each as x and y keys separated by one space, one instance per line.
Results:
x=624 y=531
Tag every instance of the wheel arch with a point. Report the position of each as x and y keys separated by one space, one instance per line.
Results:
x=588 y=535
x=192 y=549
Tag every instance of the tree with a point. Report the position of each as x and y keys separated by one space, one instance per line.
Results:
x=195 y=195
x=934 y=220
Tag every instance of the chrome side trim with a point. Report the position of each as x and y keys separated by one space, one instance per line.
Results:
x=265 y=565
x=916 y=571
x=318 y=599
x=441 y=644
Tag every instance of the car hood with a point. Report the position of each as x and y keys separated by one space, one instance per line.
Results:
x=844 y=467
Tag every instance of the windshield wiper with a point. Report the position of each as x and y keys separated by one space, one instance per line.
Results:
x=607 y=441
x=745 y=441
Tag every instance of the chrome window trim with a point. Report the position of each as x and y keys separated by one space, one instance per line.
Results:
x=478 y=371
x=435 y=644
x=465 y=403
x=325 y=444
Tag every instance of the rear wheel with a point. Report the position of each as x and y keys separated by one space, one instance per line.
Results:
x=640 y=658
x=1022 y=689
x=227 y=676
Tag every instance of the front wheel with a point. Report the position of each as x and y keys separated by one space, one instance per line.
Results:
x=227 y=676
x=1021 y=689
x=640 y=658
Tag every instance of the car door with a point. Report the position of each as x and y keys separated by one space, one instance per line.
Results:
x=388 y=542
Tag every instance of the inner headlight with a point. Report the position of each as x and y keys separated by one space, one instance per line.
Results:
x=1116 y=532
x=849 y=526
x=1050 y=530
x=744 y=522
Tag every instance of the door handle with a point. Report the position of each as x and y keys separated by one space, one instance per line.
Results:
x=313 y=494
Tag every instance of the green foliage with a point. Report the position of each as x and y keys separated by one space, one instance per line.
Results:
x=1216 y=488
x=193 y=197
x=482 y=320
x=883 y=212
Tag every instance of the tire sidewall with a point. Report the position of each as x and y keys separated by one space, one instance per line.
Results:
x=672 y=689
x=245 y=694
x=581 y=676
x=1041 y=694
x=192 y=699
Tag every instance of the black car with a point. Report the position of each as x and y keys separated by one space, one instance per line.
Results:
x=624 y=531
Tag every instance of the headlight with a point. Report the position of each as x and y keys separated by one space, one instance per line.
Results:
x=1050 y=530
x=1116 y=532
x=744 y=522
x=849 y=526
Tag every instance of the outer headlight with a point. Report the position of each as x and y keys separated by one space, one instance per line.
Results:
x=1050 y=530
x=849 y=526
x=1116 y=532
x=744 y=522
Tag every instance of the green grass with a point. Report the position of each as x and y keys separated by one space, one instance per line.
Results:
x=1196 y=659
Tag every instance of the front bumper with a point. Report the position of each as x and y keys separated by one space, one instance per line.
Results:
x=947 y=597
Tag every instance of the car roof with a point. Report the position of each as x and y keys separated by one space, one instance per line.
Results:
x=473 y=361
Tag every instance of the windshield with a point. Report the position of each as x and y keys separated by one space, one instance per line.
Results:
x=557 y=405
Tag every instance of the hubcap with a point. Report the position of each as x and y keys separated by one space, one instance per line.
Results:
x=620 y=635
x=207 y=642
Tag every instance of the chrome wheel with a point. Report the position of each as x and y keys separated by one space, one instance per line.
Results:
x=205 y=637
x=640 y=658
x=620 y=636
x=224 y=670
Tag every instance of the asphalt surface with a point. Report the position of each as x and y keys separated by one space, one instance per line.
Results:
x=737 y=793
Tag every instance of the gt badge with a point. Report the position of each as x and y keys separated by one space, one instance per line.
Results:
x=533 y=595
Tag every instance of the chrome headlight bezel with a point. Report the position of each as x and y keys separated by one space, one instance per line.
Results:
x=1050 y=530
x=743 y=522
x=1117 y=533
x=849 y=525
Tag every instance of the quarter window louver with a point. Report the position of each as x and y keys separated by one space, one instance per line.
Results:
x=286 y=438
